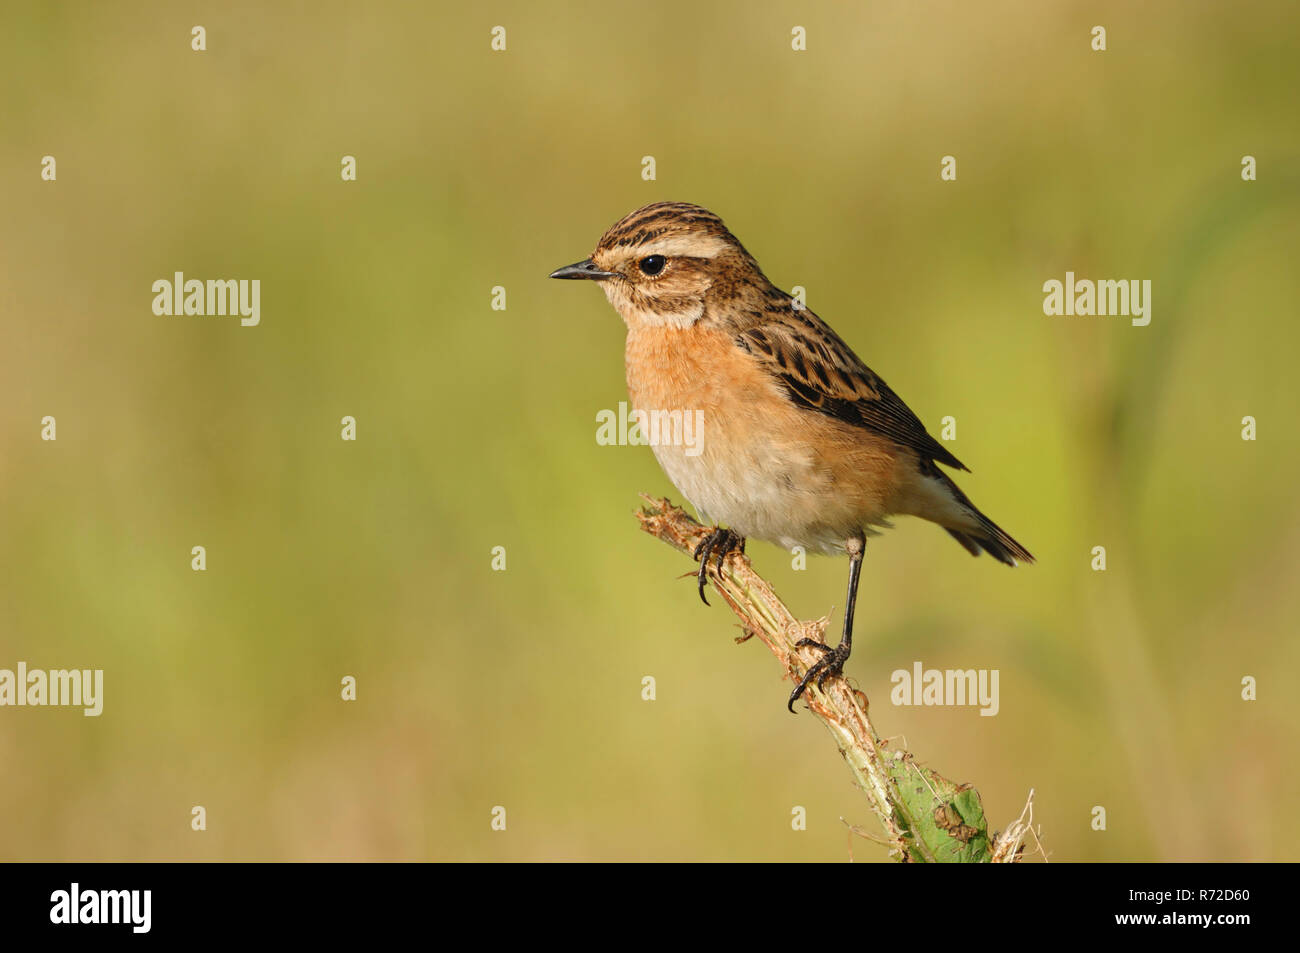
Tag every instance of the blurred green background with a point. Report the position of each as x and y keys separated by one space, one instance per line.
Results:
x=476 y=428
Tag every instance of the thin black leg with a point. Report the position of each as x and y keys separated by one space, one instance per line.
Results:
x=855 y=571
x=832 y=663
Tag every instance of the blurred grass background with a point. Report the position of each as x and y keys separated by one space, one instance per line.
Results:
x=476 y=427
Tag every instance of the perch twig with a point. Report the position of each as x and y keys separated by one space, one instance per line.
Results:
x=925 y=817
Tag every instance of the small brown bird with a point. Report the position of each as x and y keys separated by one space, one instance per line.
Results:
x=801 y=443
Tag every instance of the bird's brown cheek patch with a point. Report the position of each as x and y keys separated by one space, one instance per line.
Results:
x=672 y=289
x=686 y=280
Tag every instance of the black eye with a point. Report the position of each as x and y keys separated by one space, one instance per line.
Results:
x=653 y=265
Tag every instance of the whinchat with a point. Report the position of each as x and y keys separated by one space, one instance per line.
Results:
x=803 y=445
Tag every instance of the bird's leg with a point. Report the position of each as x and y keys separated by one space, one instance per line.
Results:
x=832 y=662
x=721 y=541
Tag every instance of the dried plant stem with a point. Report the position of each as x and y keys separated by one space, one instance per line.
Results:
x=925 y=817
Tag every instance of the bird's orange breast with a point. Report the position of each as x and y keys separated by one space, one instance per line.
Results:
x=763 y=465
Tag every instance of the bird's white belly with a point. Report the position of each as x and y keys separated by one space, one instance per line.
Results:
x=776 y=493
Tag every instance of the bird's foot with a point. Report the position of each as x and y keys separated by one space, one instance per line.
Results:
x=722 y=543
x=831 y=665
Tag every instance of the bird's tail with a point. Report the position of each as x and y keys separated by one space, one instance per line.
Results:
x=980 y=534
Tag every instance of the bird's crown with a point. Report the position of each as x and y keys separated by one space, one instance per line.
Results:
x=674 y=228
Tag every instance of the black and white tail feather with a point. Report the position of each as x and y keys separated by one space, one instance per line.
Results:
x=986 y=536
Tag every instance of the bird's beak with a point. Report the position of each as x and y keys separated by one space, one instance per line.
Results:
x=582 y=269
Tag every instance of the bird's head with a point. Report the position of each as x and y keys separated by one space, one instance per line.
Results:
x=663 y=263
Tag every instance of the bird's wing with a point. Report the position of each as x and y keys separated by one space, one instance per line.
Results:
x=821 y=372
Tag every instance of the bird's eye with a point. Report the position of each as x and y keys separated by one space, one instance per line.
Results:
x=653 y=265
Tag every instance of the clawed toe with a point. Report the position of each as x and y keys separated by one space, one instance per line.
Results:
x=830 y=665
x=721 y=542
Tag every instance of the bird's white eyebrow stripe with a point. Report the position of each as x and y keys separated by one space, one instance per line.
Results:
x=692 y=246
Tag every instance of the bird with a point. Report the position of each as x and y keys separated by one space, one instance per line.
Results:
x=800 y=444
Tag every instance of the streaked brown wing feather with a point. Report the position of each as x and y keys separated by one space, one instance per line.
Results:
x=821 y=372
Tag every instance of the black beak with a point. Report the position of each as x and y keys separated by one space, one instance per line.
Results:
x=582 y=269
